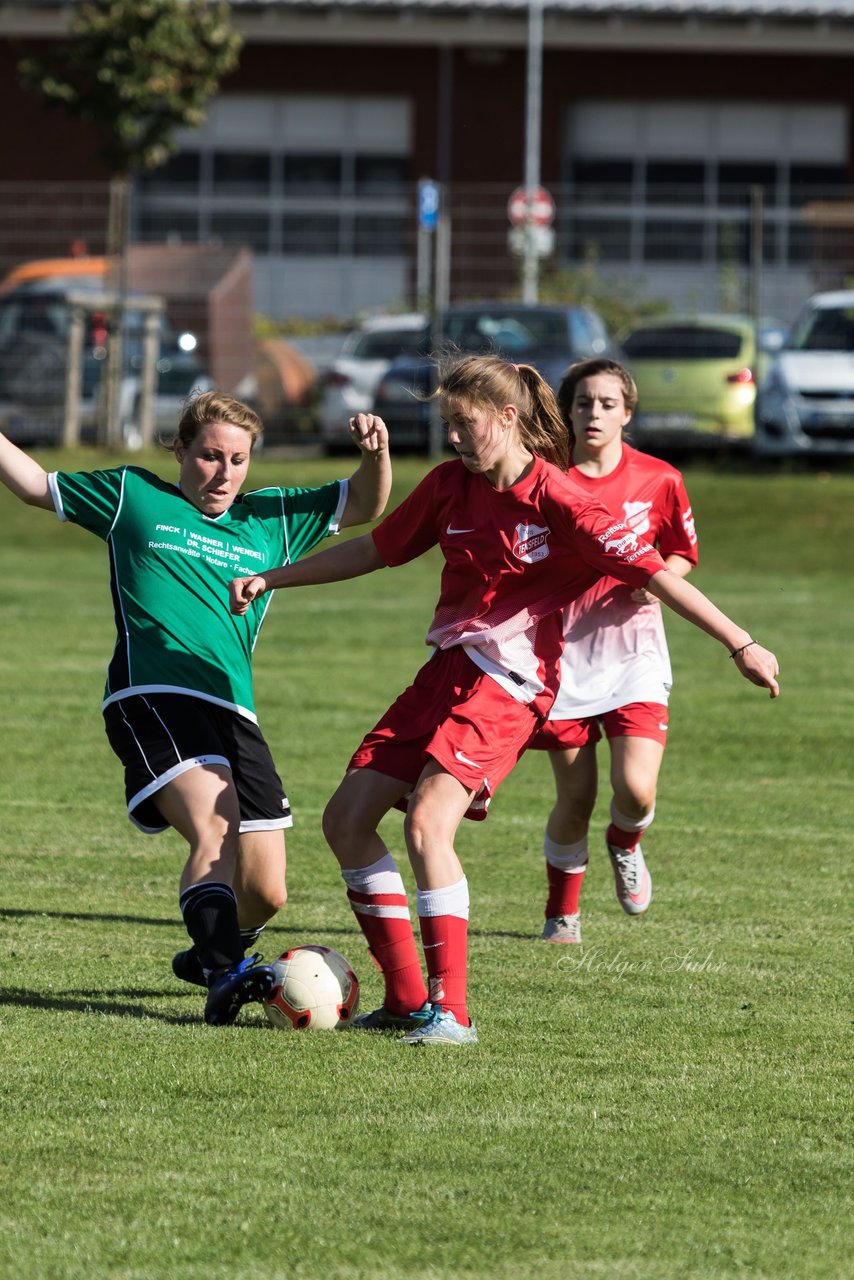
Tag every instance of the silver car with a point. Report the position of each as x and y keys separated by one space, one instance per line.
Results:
x=351 y=380
x=806 y=403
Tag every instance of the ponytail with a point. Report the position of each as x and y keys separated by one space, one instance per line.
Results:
x=490 y=382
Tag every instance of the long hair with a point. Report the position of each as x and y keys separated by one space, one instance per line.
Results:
x=590 y=369
x=214 y=406
x=491 y=382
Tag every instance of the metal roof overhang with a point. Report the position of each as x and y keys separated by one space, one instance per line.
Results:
x=802 y=27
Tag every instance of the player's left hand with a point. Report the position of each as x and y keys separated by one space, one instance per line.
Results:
x=641 y=596
x=242 y=591
x=759 y=666
x=369 y=432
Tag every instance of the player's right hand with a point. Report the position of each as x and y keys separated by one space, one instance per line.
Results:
x=242 y=591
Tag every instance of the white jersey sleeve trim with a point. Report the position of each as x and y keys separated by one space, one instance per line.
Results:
x=344 y=493
x=53 y=485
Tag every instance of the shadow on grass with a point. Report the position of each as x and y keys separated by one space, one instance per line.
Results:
x=120 y=1003
x=286 y=926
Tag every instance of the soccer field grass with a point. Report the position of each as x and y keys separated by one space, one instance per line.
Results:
x=670 y=1102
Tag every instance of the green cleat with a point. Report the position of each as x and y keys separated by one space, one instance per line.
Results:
x=381 y=1020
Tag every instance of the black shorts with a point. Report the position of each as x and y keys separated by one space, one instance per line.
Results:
x=159 y=736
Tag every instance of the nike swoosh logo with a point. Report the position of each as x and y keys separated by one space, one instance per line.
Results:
x=465 y=759
x=662 y=727
x=452 y=531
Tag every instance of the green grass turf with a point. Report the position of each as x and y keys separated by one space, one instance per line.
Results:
x=668 y=1103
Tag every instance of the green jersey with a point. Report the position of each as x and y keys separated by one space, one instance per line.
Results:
x=170 y=566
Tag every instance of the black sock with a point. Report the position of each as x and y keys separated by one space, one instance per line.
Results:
x=251 y=935
x=210 y=914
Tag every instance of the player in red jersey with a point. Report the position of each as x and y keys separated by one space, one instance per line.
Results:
x=615 y=668
x=519 y=539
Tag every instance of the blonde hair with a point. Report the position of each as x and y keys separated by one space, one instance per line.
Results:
x=214 y=406
x=491 y=382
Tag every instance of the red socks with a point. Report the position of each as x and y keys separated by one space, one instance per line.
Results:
x=378 y=899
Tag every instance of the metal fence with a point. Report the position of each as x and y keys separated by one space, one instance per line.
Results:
x=736 y=248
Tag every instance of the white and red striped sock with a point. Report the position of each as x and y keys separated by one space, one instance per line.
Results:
x=443 y=915
x=565 y=868
x=378 y=899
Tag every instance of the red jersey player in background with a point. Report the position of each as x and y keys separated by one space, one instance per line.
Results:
x=519 y=540
x=615 y=668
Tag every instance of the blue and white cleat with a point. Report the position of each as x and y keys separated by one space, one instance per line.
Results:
x=382 y=1020
x=227 y=994
x=441 y=1028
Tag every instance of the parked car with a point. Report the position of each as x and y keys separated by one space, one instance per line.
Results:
x=806 y=403
x=34 y=330
x=349 y=384
x=548 y=337
x=697 y=377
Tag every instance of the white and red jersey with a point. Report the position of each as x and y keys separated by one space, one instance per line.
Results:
x=616 y=650
x=513 y=559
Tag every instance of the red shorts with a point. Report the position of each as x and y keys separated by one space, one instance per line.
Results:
x=458 y=716
x=634 y=720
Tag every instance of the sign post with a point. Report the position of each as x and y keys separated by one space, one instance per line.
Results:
x=429 y=206
x=531 y=212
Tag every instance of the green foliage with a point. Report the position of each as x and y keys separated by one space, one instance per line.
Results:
x=296 y=326
x=670 y=1102
x=621 y=303
x=139 y=70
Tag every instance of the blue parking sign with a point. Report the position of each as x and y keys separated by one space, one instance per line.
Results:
x=428 y=204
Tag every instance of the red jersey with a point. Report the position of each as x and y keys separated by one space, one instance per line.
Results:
x=513 y=559
x=616 y=650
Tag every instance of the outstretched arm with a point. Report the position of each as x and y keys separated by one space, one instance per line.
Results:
x=676 y=564
x=755 y=663
x=23 y=476
x=349 y=560
x=370 y=483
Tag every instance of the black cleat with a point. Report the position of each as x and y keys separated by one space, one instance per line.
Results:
x=227 y=994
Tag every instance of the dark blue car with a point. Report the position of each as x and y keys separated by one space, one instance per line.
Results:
x=549 y=337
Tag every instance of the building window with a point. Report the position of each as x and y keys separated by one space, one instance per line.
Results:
x=310 y=175
x=675 y=182
x=632 y=158
x=305 y=175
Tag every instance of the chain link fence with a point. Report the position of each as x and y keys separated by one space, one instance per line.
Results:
x=310 y=267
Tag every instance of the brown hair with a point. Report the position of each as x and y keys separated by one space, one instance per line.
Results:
x=590 y=369
x=490 y=382
x=202 y=410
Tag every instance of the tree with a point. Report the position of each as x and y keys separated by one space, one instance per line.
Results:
x=138 y=70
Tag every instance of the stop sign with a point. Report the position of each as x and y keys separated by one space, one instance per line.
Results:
x=532 y=205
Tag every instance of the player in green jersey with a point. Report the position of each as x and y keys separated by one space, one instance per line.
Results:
x=178 y=703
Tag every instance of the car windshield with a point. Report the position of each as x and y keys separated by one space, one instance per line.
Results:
x=683 y=342
x=385 y=344
x=45 y=316
x=517 y=333
x=824 y=329
x=37 y=315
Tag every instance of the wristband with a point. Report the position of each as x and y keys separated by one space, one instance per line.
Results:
x=736 y=652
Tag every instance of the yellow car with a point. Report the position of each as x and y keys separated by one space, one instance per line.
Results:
x=697 y=376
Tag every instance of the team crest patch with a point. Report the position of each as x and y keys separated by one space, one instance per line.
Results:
x=531 y=543
x=637 y=516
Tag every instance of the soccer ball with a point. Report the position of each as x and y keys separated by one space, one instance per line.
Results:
x=315 y=990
